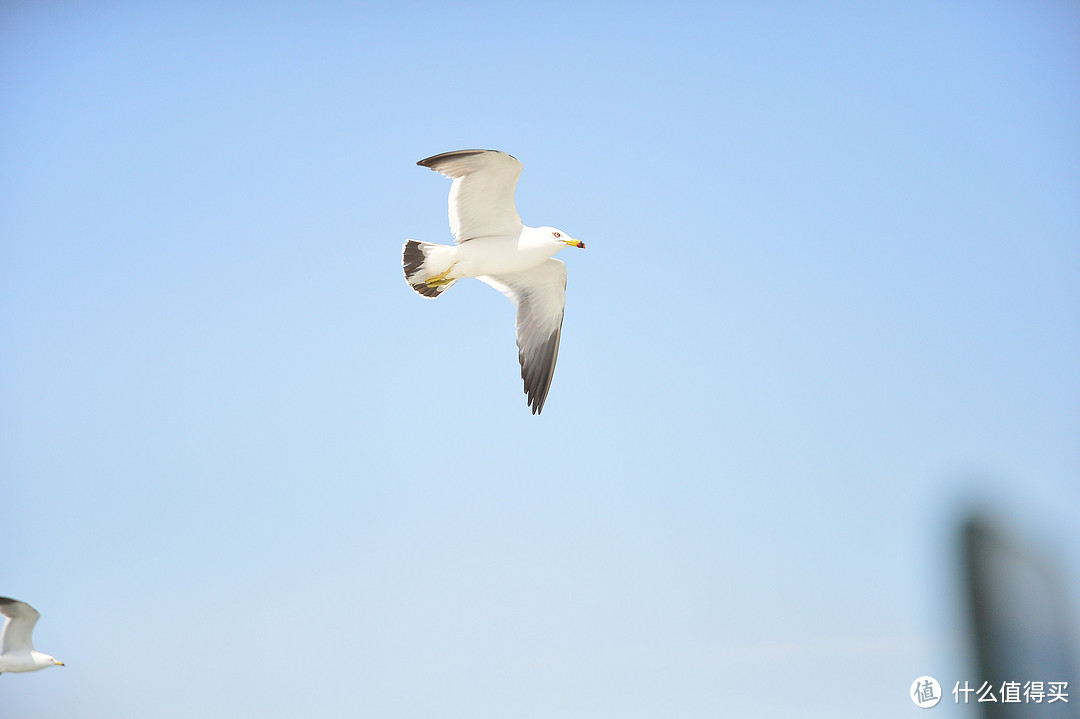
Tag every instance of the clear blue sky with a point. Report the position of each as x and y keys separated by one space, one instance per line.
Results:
x=831 y=299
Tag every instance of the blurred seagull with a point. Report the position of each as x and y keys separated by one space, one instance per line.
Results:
x=16 y=650
x=495 y=247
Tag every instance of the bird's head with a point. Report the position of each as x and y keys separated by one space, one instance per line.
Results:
x=44 y=660
x=560 y=238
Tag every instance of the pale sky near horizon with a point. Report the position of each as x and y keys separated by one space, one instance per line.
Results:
x=830 y=303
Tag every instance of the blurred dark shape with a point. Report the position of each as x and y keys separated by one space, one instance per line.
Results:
x=1024 y=629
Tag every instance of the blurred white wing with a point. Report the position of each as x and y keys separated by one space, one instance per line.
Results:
x=540 y=296
x=19 y=625
x=482 y=196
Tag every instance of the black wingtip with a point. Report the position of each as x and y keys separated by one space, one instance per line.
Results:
x=537 y=375
x=430 y=162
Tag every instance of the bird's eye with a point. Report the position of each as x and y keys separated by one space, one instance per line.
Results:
x=556 y=234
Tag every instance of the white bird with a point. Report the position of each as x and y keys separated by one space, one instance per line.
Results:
x=495 y=247
x=16 y=650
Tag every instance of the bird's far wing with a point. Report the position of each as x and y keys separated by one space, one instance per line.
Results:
x=21 y=618
x=540 y=296
x=482 y=196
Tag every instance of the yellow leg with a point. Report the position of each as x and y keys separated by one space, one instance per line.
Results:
x=440 y=279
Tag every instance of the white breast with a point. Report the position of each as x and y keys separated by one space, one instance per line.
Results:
x=501 y=255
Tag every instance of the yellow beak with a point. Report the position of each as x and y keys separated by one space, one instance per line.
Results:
x=575 y=243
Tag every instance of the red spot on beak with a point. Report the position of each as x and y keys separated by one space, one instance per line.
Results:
x=581 y=244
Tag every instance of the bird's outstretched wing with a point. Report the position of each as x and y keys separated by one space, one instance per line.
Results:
x=540 y=296
x=19 y=625
x=482 y=196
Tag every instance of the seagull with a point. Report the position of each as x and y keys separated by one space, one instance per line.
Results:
x=16 y=650
x=495 y=247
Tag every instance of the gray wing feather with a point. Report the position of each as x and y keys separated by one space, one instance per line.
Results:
x=482 y=195
x=19 y=625
x=540 y=297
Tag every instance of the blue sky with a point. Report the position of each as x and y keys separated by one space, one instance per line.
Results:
x=830 y=302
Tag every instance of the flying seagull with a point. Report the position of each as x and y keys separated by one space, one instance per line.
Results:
x=16 y=650
x=495 y=247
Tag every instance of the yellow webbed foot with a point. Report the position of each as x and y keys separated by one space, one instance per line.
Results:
x=440 y=279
